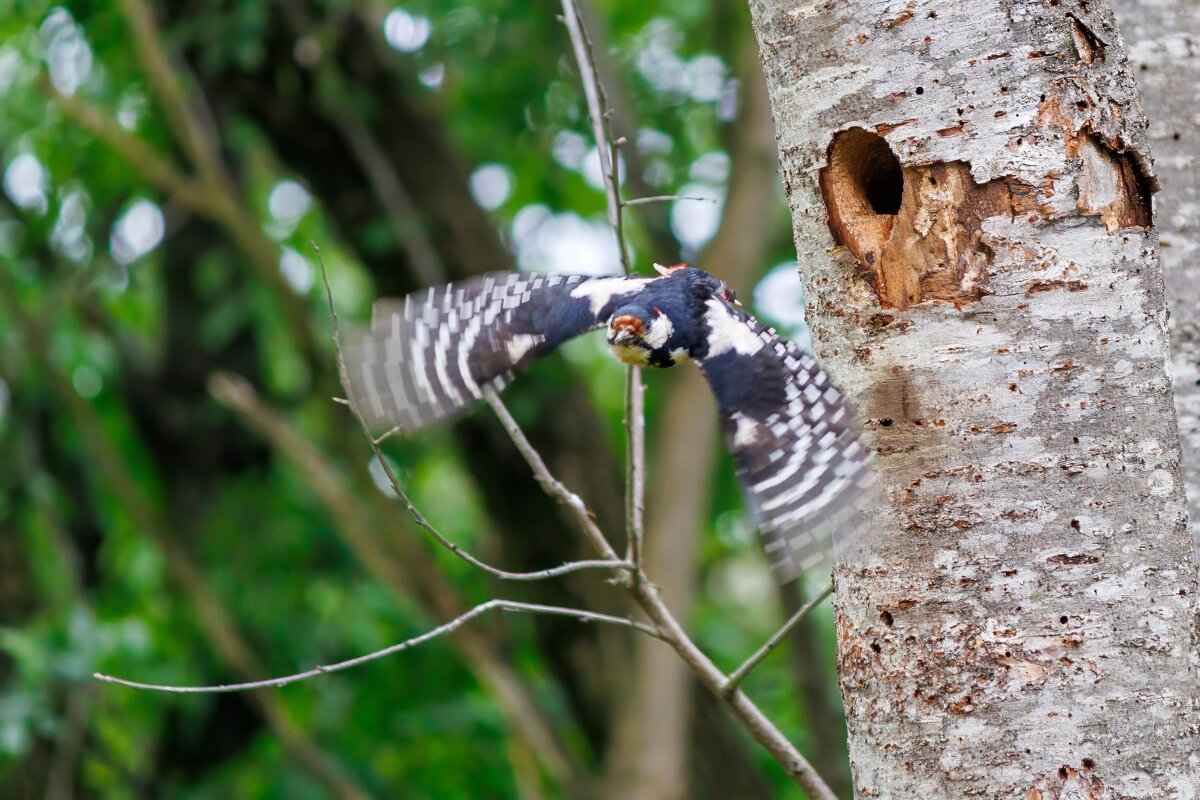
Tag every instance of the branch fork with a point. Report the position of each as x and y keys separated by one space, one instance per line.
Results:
x=626 y=570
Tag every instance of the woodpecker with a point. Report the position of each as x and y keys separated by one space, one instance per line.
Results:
x=801 y=463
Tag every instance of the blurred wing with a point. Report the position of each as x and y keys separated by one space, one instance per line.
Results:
x=429 y=354
x=803 y=469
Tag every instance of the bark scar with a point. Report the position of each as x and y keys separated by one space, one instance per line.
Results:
x=1111 y=183
x=916 y=230
x=1091 y=48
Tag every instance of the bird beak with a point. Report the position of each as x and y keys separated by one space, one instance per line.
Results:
x=625 y=329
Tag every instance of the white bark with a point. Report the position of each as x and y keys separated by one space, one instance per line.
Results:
x=1024 y=627
x=1164 y=49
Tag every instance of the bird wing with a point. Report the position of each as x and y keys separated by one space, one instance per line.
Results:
x=431 y=353
x=804 y=471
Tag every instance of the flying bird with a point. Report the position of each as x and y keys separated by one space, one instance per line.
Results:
x=802 y=466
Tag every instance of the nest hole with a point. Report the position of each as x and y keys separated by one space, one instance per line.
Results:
x=865 y=169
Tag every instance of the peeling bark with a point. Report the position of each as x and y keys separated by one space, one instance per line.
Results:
x=1024 y=625
x=1164 y=47
x=916 y=230
x=1111 y=185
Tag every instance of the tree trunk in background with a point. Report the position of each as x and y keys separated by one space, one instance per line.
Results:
x=984 y=278
x=1163 y=37
x=398 y=138
x=816 y=686
x=648 y=759
x=412 y=146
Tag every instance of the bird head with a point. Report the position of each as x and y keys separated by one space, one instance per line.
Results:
x=627 y=329
x=627 y=325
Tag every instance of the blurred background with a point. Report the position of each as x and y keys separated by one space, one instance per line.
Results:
x=181 y=501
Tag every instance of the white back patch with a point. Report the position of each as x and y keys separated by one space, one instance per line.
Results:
x=727 y=332
x=600 y=290
x=660 y=330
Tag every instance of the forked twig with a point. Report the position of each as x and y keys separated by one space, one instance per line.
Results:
x=441 y=630
x=607 y=148
x=398 y=489
x=738 y=675
x=643 y=591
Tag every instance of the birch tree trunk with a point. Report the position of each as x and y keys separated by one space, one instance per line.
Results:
x=970 y=187
x=1164 y=49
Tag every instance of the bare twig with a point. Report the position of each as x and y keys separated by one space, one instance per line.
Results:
x=441 y=630
x=593 y=90
x=157 y=169
x=654 y=221
x=665 y=198
x=398 y=489
x=607 y=148
x=635 y=469
x=172 y=97
x=739 y=674
x=555 y=487
x=644 y=592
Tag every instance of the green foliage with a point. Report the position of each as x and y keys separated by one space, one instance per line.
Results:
x=121 y=301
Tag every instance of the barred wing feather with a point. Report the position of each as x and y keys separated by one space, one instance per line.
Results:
x=804 y=471
x=431 y=353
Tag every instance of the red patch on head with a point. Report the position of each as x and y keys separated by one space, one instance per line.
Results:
x=628 y=322
x=680 y=265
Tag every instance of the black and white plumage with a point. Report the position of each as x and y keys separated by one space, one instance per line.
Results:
x=802 y=467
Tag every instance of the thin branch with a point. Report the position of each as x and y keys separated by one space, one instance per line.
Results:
x=441 y=630
x=665 y=198
x=593 y=90
x=554 y=487
x=414 y=512
x=157 y=169
x=643 y=591
x=621 y=116
x=171 y=95
x=635 y=468
x=409 y=571
x=606 y=147
x=739 y=674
